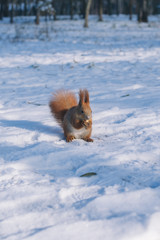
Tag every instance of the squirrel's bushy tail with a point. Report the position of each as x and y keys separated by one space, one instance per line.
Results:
x=61 y=102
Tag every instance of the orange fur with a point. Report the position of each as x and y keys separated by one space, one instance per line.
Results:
x=62 y=101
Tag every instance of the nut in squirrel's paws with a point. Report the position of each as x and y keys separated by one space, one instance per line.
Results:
x=86 y=123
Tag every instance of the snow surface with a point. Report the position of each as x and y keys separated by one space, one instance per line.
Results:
x=42 y=195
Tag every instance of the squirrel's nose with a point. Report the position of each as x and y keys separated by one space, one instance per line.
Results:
x=87 y=117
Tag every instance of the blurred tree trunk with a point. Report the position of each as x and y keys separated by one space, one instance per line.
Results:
x=130 y=9
x=17 y=10
x=25 y=7
x=1 y=9
x=142 y=10
x=109 y=6
x=71 y=9
x=155 y=4
x=54 y=13
x=5 y=9
x=117 y=7
x=12 y=11
x=100 y=10
x=37 y=12
x=62 y=10
x=87 y=13
x=83 y=8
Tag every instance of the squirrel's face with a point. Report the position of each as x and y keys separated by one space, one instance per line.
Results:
x=84 y=112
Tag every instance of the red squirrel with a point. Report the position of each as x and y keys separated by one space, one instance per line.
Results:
x=75 y=118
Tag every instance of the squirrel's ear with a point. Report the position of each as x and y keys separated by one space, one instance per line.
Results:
x=81 y=97
x=86 y=99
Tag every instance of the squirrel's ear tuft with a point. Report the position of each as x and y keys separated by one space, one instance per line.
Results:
x=86 y=93
x=81 y=97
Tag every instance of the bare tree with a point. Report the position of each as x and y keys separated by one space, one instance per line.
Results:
x=5 y=8
x=37 y=12
x=155 y=4
x=130 y=9
x=1 y=9
x=83 y=8
x=25 y=7
x=100 y=10
x=54 y=11
x=117 y=7
x=71 y=9
x=12 y=11
x=142 y=10
x=87 y=13
x=109 y=7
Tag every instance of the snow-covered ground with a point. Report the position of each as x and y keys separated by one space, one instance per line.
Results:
x=42 y=195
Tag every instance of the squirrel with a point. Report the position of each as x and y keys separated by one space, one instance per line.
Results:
x=75 y=118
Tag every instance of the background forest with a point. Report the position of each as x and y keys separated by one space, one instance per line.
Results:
x=80 y=8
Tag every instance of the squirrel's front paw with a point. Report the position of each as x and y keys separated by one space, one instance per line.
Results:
x=70 y=138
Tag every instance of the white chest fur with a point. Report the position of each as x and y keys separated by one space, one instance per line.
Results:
x=78 y=133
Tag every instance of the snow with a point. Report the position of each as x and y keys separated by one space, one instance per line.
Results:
x=42 y=195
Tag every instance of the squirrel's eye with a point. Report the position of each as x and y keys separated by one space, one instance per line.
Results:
x=82 y=111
